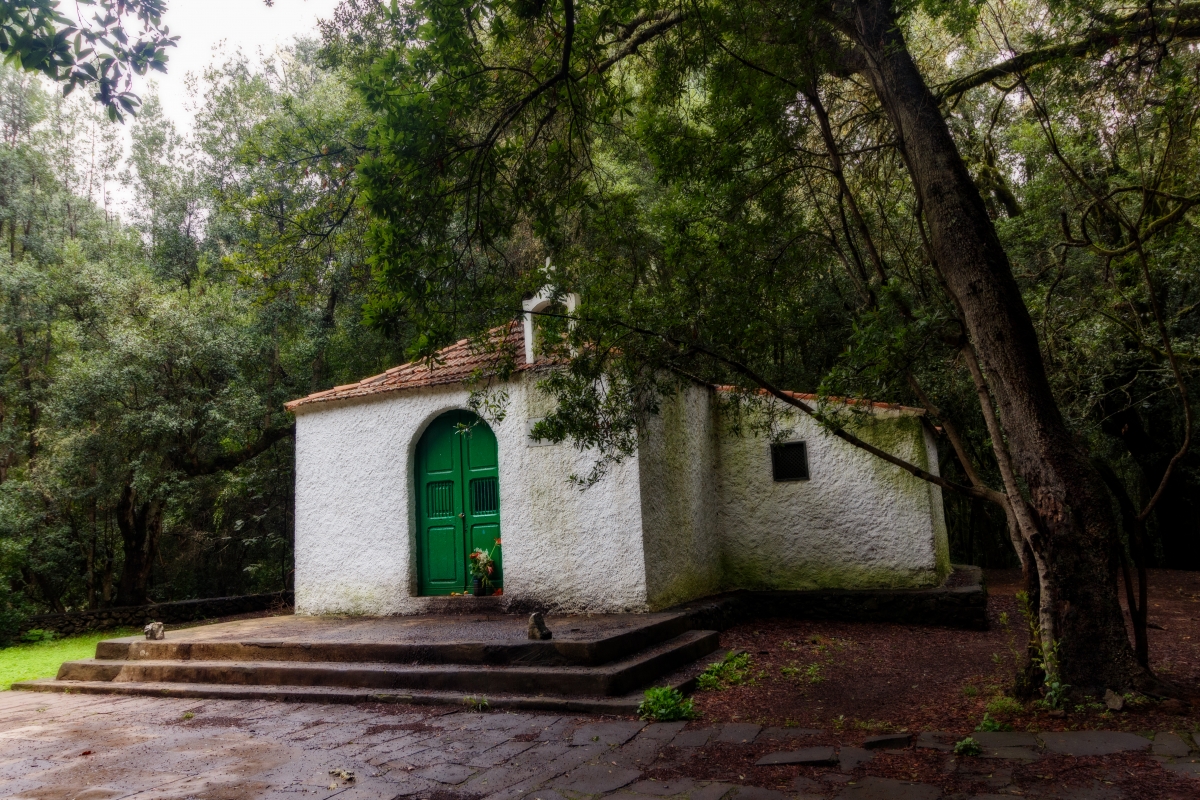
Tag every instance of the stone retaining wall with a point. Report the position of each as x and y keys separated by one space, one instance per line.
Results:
x=136 y=616
x=960 y=603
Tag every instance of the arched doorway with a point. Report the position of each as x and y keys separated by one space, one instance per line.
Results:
x=458 y=501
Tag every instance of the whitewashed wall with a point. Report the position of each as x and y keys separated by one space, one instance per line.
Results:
x=857 y=522
x=568 y=549
x=695 y=512
x=678 y=461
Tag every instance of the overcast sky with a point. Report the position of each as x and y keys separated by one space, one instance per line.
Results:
x=248 y=24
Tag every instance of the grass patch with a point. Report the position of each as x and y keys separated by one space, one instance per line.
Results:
x=26 y=662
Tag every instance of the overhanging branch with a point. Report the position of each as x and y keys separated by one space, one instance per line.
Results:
x=1180 y=23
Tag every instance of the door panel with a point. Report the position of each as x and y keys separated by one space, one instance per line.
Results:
x=441 y=564
x=458 y=501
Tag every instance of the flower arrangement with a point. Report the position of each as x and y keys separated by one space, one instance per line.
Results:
x=482 y=565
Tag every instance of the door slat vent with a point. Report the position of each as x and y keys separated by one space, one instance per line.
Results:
x=440 y=499
x=485 y=496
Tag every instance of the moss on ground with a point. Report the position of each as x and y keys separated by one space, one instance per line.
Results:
x=26 y=662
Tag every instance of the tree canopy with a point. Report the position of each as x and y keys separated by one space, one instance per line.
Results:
x=979 y=209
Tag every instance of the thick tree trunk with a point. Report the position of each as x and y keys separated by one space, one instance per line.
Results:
x=140 y=523
x=1072 y=547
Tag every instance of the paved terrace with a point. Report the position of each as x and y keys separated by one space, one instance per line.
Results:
x=423 y=629
x=102 y=747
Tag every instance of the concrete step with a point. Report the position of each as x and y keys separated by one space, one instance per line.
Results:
x=682 y=679
x=602 y=649
x=624 y=704
x=615 y=678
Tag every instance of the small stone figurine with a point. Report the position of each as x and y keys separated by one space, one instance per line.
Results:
x=155 y=631
x=537 y=627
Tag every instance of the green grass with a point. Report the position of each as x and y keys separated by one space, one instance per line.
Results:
x=25 y=662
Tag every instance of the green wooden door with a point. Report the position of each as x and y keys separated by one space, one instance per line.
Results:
x=458 y=501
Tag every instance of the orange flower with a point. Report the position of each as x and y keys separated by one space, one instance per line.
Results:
x=497 y=541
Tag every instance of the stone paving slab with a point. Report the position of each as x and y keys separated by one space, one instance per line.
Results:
x=1170 y=745
x=808 y=756
x=279 y=751
x=597 y=779
x=697 y=737
x=1005 y=739
x=871 y=788
x=1093 y=743
x=737 y=732
x=608 y=733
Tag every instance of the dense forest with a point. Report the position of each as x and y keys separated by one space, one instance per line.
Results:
x=984 y=210
x=144 y=450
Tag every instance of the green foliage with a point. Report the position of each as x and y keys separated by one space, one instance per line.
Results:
x=968 y=747
x=143 y=448
x=664 y=704
x=1054 y=690
x=1003 y=704
x=477 y=703
x=989 y=725
x=94 y=51
x=733 y=670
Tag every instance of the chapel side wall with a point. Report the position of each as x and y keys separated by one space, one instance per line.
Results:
x=352 y=543
x=356 y=514
x=567 y=549
x=677 y=465
x=858 y=522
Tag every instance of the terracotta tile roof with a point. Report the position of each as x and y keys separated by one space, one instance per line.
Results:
x=459 y=362
x=812 y=398
x=454 y=364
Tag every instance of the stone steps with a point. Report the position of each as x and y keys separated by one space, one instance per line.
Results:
x=607 y=680
x=579 y=704
x=554 y=652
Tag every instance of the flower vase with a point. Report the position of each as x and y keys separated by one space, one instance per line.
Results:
x=477 y=587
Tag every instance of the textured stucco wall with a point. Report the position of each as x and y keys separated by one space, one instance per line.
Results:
x=678 y=461
x=857 y=522
x=568 y=549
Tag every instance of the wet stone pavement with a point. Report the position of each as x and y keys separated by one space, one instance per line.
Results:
x=93 y=747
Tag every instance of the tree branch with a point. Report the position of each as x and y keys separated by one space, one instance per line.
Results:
x=228 y=461
x=637 y=40
x=1180 y=23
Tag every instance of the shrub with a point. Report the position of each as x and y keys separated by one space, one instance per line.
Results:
x=476 y=703
x=664 y=704
x=989 y=725
x=968 y=747
x=1004 y=705
x=732 y=670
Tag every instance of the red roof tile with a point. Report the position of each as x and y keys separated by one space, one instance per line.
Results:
x=454 y=364
x=462 y=361
x=850 y=401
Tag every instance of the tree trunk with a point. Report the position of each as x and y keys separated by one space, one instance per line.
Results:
x=140 y=523
x=1072 y=546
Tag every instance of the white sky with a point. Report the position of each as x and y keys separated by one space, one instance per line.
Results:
x=246 y=24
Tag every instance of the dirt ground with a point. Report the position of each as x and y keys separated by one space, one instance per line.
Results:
x=843 y=676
